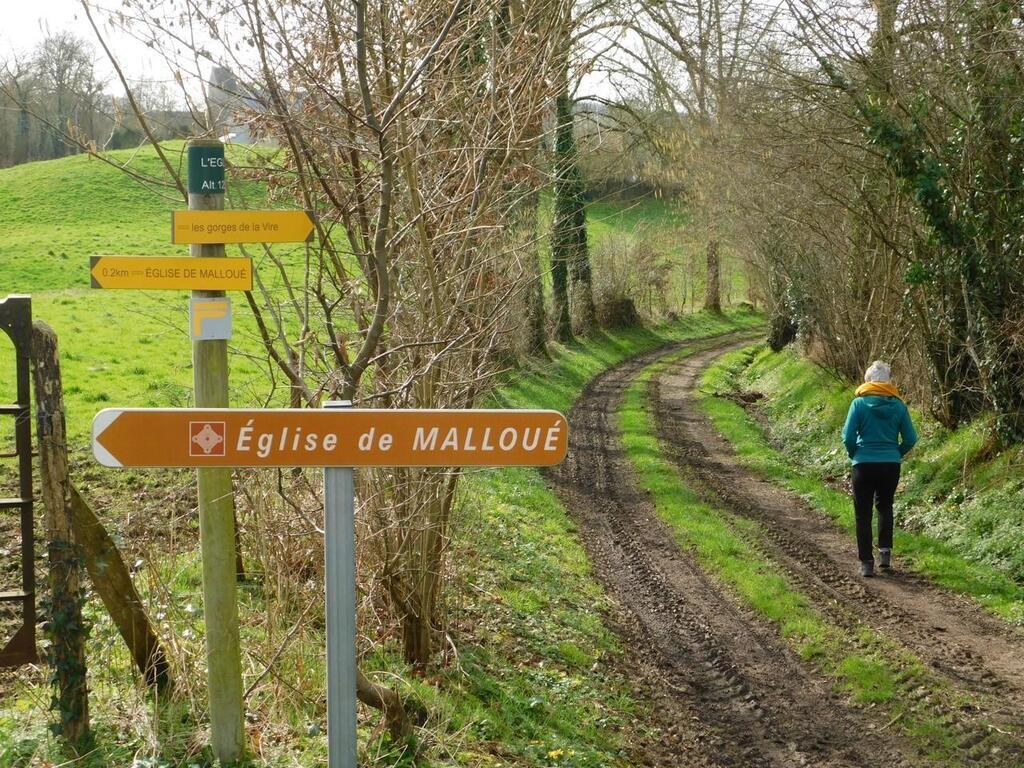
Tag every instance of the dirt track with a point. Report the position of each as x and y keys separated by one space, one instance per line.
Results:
x=728 y=690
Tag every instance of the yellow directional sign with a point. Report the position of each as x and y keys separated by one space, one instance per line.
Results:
x=204 y=227
x=176 y=273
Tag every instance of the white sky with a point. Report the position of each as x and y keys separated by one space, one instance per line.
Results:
x=25 y=23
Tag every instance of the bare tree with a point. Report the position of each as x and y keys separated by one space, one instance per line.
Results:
x=691 y=59
x=64 y=66
x=18 y=85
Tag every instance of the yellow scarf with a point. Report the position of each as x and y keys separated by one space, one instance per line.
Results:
x=878 y=388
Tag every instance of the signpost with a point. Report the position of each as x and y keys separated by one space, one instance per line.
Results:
x=216 y=495
x=191 y=227
x=340 y=596
x=337 y=438
x=353 y=437
x=172 y=273
x=206 y=227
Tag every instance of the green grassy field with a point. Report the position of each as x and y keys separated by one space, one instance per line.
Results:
x=960 y=517
x=127 y=348
x=58 y=213
x=131 y=348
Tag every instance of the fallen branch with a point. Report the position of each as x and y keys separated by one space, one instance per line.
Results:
x=113 y=583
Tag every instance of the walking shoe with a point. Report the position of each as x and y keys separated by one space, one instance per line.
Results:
x=867 y=567
x=885 y=559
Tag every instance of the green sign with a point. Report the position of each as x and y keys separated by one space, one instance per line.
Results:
x=206 y=169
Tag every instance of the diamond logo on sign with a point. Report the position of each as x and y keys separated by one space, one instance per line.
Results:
x=210 y=318
x=206 y=438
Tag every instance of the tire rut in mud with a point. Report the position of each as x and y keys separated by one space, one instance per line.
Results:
x=975 y=652
x=727 y=691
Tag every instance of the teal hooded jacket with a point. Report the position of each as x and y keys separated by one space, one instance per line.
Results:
x=878 y=429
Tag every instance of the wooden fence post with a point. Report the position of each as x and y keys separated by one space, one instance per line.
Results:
x=64 y=625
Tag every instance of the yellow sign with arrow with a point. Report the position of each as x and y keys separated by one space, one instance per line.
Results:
x=211 y=227
x=174 y=273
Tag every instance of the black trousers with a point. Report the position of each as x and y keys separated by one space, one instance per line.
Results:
x=874 y=485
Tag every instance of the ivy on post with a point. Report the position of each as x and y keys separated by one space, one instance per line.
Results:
x=64 y=628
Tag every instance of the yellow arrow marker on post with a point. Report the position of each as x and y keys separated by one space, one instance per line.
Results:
x=205 y=227
x=173 y=273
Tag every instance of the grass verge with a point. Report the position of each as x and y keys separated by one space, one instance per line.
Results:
x=974 y=551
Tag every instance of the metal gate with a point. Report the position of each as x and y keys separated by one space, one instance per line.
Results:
x=16 y=321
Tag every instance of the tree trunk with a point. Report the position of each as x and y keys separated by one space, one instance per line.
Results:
x=569 y=228
x=416 y=645
x=536 y=322
x=386 y=700
x=113 y=583
x=560 y=293
x=23 y=145
x=713 y=291
x=425 y=564
x=581 y=289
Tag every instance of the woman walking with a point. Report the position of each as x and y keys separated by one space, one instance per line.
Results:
x=878 y=434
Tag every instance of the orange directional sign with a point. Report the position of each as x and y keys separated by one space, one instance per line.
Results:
x=191 y=227
x=349 y=437
x=171 y=273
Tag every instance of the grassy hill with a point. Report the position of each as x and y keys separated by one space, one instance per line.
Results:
x=58 y=213
x=117 y=347
x=131 y=348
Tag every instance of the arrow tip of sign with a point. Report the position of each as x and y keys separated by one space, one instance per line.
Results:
x=100 y=422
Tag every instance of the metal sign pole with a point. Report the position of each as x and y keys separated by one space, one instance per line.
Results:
x=340 y=553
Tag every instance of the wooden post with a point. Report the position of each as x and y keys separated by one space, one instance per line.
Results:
x=113 y=583
x=64 y=625
x=216 y=500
